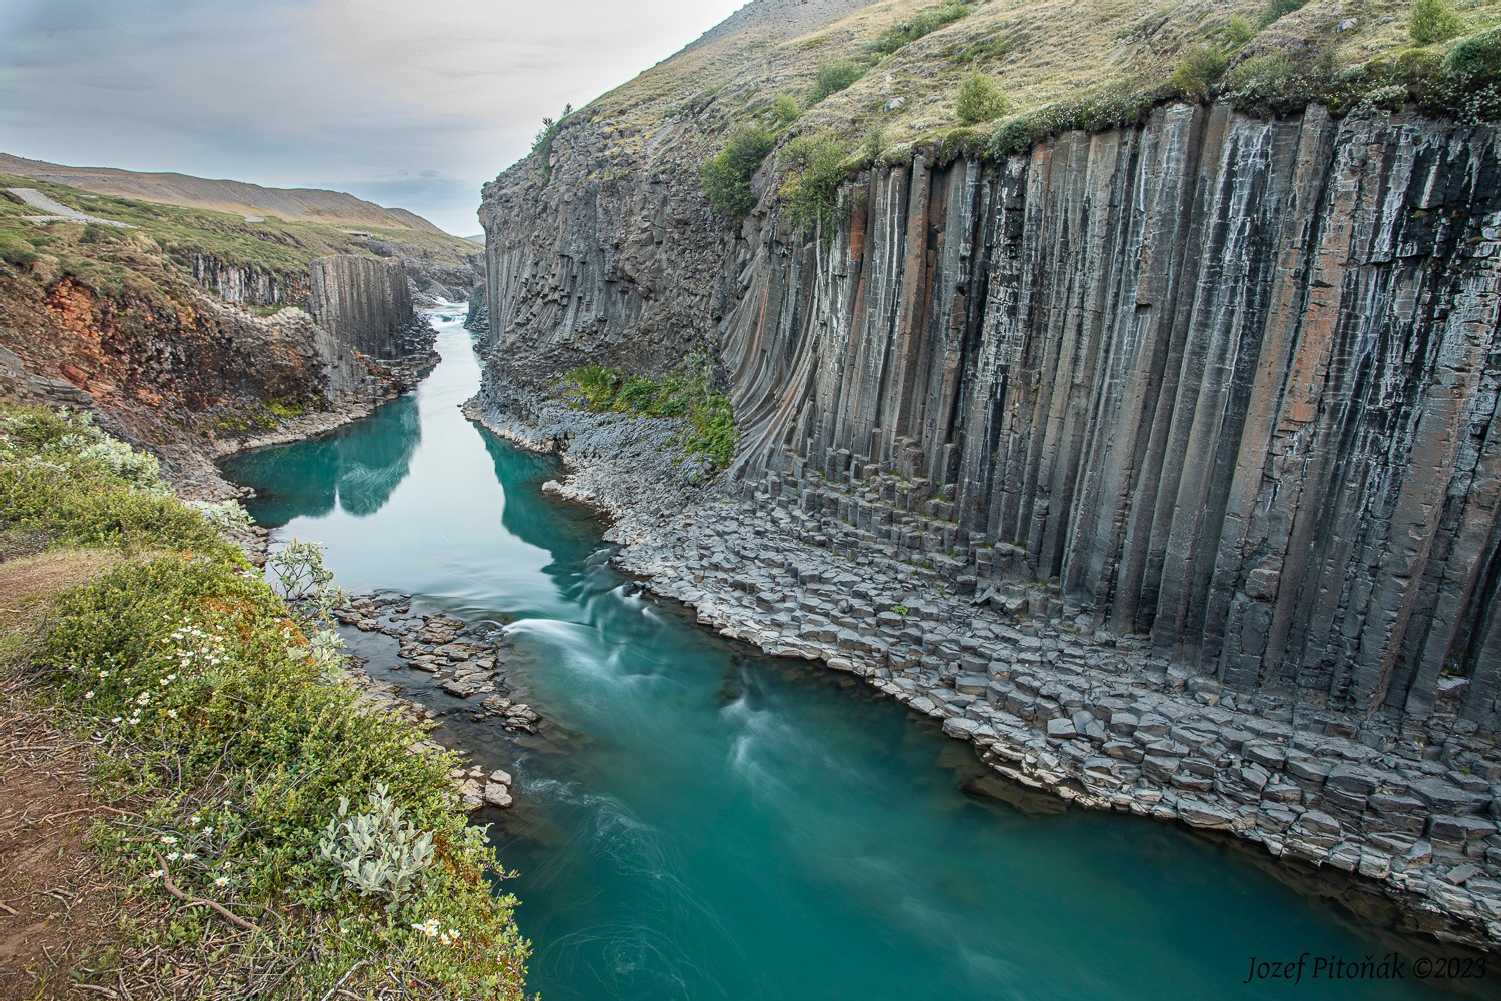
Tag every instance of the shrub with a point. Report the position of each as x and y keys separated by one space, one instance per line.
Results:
x=379 y=853
x=542 y=141
x=980 y=100
x=1236 y=33
x=1278 y=9
x=1197 y=70
x=873 y=145
x=1275 y=83
x=1477 y=57
x=63 y=479
x=1111 y=106
x=834 y=77
x=816 y=169
x=727 y=175
x=924 y=22
x=1432 y=21
x=785 y=110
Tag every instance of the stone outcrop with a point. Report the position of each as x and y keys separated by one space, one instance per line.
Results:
x=364 y=301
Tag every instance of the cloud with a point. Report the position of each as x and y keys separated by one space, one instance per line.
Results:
x=423 y=101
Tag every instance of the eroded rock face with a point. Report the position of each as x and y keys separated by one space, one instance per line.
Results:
x=363 y=301
x=248 y=285
x=1231 y=382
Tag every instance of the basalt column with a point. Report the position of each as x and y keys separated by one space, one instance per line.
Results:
x=1232 y=382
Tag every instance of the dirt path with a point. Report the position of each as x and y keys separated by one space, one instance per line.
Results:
x=58 y=212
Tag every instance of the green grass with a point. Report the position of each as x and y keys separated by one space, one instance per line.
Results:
x=154 y=259
x=232 y=744
x=920 y=25
x=684 y=394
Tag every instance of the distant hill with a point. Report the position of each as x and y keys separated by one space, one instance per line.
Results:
x=478 y=238
x=252 y=200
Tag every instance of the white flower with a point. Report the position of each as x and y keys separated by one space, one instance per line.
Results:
x=116 y=721
x=207 y=831
x=173 y=856
x=168 y=839
x=195 y=820
x=155 y=874
x=189 y=857
x=222 y=881
x=103 y=674
x=172 y=713
x=428 y=927
x=88 y=695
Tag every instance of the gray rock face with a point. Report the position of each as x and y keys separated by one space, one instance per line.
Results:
x=248 y=285
x=364 y=302
x=1162 y=464
x=1231 y=382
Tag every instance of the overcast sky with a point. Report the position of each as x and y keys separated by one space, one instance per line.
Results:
x=406 y=102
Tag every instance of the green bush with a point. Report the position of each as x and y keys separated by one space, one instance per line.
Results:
x=63 y=479
x=1278 y=9
x=1276 y=83
x=924 y=22
x=834 y=77
x=873 y=145
x=785 y=110
x=980 y=100
x=727 y=175
x=1432 y=21
x=542 y=141
x=230 y=731
x=1199 y=68
x=1476 y=58
x=1236 y=33
x=816 y=165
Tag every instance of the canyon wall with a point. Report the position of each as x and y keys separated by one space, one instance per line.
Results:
x=1231 y=383
x=248 y=284
x=363 y=301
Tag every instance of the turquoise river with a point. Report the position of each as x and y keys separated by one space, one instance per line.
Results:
x=698 y=821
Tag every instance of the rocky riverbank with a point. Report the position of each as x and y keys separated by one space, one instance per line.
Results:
x=1050 y=698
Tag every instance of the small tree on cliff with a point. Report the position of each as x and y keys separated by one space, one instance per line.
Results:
x=727 y=175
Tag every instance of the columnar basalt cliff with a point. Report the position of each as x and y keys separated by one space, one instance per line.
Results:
x=1201 y=413
x=248 y=284
x=1231 y=382
x=364 y=301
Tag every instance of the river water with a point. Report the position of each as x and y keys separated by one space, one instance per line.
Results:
x=708 y=823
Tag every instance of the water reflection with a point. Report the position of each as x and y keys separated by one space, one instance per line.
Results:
x=356 y=468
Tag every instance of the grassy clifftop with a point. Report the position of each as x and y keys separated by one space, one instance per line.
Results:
x=109 y=258
x=992 y=75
